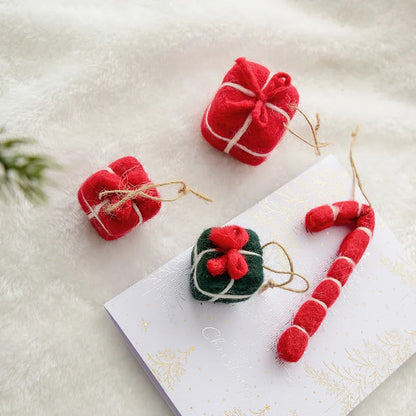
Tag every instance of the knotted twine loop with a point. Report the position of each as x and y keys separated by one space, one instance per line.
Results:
x=259 y=112
x=355 y=175
x=130 y=194
x=314 y=129
x=270 y=284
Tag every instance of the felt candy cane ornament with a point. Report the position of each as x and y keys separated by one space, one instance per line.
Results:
x=227 y=266
x=251 y=111
x=121 y=196
x=293 y=342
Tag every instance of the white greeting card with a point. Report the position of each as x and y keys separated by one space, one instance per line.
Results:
x=219 y=359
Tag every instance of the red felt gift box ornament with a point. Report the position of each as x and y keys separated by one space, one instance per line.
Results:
x=121 y=196
x=251 y=111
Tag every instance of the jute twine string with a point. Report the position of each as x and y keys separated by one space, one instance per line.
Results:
x=270 y=284
x=314 y=129
x=355 y=175
x=130 y=194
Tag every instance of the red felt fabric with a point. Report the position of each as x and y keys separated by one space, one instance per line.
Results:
x=354 y=245
x=319 y=219
x=347 y=212
x=367 y=218
x=327 y=292
x=228 y=237
x=125 y=173
x=322 y=217
x=230 y=108
x=233 y=262
x=340 y=270
x=237 y=266
x=311 y=314
x=229 y=240
x=292 y=344
x=217 y=266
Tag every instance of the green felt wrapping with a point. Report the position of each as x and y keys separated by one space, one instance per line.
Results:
x=241 y=289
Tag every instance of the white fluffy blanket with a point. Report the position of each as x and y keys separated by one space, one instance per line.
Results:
x=96 y=80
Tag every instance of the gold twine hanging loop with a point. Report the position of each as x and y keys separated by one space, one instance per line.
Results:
x=130 y=194
x=314 y=129
x=355 y=175
x=270 y=284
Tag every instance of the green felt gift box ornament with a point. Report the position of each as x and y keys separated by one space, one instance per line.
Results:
x=227 y=265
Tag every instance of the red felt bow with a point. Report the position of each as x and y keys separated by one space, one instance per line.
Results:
x=278 y=84
x=229 y=240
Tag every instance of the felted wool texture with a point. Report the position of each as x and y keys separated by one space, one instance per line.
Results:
x=311 y=313
x=367 y=218
x=327 y=291
x=310 y=316
x=229 y=109
x=229 y=237
x=322 y=217
x=350 y=213
x=354 y=244
x=233 y=263
x=296 y=339
x=319 y=219
x=125 y=174
x=340 y=270
x=247 y=285
x=93 y=81
x=229 y=240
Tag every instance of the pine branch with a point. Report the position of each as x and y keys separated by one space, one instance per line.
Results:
x=21 y=171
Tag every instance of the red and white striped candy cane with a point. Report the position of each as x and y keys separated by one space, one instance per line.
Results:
x=294 y=340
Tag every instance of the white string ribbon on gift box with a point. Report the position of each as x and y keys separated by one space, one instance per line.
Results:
x=270 y=284
x=234 y=141
x=95 y=209
x=129 y=195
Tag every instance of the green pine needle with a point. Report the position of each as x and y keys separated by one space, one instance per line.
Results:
x=22 y=171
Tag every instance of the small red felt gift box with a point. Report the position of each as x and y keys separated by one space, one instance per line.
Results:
x=124 y=174
x=249 y=113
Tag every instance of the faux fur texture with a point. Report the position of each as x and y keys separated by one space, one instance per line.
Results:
x=97 y=80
